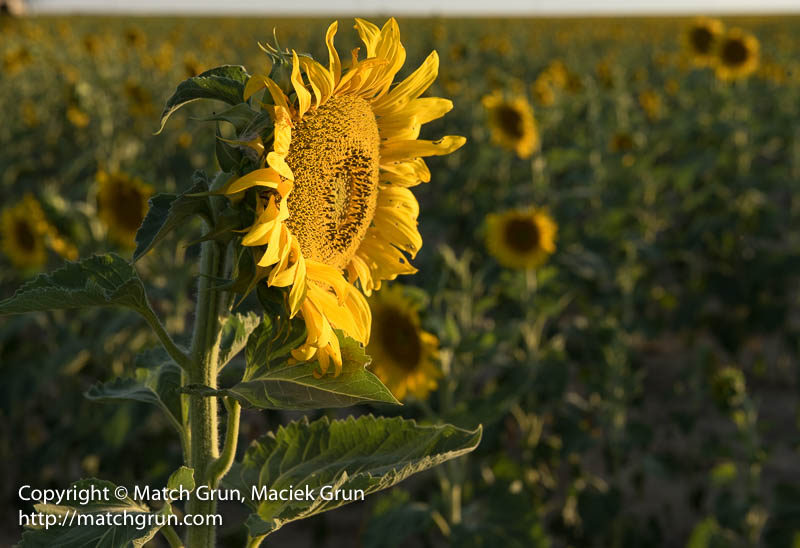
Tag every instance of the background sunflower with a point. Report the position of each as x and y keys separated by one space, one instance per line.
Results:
x=702 y=38
x=23 y=228
x=122 y=204
x=737 y=55
x=404 y=356
x=512 y=123
x=520 y=238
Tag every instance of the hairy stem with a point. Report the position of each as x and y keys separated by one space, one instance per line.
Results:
x=221 y=466
x=204 y=446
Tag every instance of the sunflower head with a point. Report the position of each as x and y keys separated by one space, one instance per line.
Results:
x=701 y=40
x=521 y=238
x=512 y=123
x=329 y=186
x=737 y=55
x=650 y=101
x=23 y=228
x=122 y=205
x=403 y=355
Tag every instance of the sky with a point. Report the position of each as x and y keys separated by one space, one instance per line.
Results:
x=417 y=7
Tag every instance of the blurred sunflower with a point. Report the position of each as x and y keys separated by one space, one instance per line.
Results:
x=23 y=228
x=77 y=117
x=512 y=123
x=521 y=238
x=701 y=40
x=737 y=54
x=403 y=355
x=650 y=101
x=543 y=91
x=135 y=37
x=334 y=196
x=140 y=102
x=122 y=205
x=14 y=61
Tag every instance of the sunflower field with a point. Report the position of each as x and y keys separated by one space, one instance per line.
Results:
x=585 y=297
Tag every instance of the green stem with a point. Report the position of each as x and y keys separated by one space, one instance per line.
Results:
x=204 y=446
x=221 y=466
x=179 y=356
x=172 y=537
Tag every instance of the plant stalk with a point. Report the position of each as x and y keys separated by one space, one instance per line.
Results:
x=203 y=418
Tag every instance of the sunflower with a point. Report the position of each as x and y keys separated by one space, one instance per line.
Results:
x=122 y=205
x=404 y=356
x=521 y=238
x=701 y=40
x=23 y=228
x=333 y=196
x=650 y=101
x=737 y=55
x=512 y=123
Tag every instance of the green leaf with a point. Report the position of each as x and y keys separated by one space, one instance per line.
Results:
x=70 y=532
x=240 y=116
x=367 y=453
x=158 y=385
x=233 y=335
x=101 y=280
x=228 y=156
x=270 y=382
x=225 y=83
x=182 y=477
x=168 y=211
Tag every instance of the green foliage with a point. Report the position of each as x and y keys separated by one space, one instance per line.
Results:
x=158 y=383
x=68 y=534
x=101 y=280
x=225 y=83
x=367 y=453
x=169 y=211
x=272 y=381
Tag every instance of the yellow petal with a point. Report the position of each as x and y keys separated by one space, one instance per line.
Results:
x=278 y=163
x=399 y=197
x=303 y=95
x=334 y=64
x=410 y=88
x=260 y=177
x=397 y=227
x=369 y=35
x=328 y=275
x=319 y=78
x=405 y=150
x=255 y=83
x=406 y=174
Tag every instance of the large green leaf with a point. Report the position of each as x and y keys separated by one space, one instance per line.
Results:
x=168 y=211
x=158 y=384
x=71 y=531
x=271 y=382
x=101 y=280
x=225 y=83
x=367 y=454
